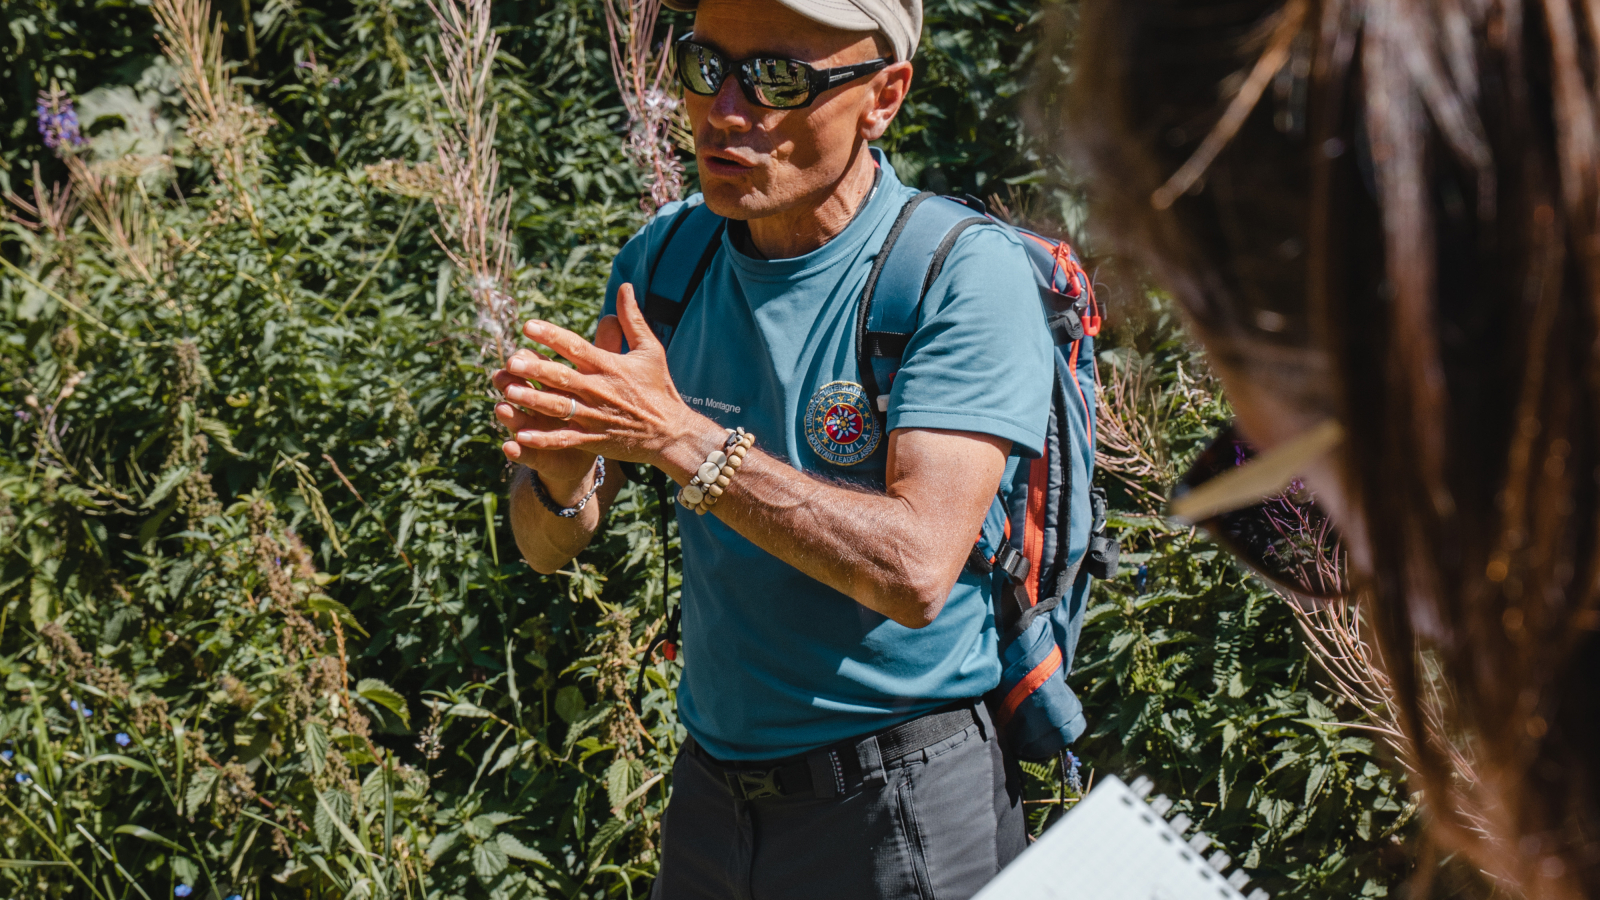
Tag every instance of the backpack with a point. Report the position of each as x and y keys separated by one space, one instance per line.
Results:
x=1045 y=546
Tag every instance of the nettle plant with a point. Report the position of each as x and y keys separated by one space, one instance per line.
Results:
x=260 y=631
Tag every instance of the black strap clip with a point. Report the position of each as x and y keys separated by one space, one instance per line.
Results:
x=1011 y=561
x=1008 y=560
x=1104 y=549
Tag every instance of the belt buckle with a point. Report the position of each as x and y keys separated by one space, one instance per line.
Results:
x=755 y=785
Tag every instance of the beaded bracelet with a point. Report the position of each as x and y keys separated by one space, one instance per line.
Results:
x=543 y=493
x=714 y=475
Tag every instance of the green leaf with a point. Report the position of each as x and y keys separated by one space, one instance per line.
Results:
x=200 y=786
x=570 y=703
x=488 y=859
x=146 y=834
x=376 y=691
x=605 y=836
x=467 y=710
x=218 y=431
x=317 y=746
x=441 y=844
x=164 y=485
x=324 y=603
x=41 y=602
x=517 y=850
x=621 y=778
x=333 y=814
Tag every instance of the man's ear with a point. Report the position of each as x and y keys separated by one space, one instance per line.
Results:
x=889 y=89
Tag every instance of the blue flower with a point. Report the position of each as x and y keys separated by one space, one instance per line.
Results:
x=87 y=712
x=182 y=890
x=234 y=897
x=23 y=778
x=122 y=739
x=1074 y=780
x=7 y=754
x=58 y=120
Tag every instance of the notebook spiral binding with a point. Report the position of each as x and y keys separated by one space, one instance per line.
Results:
x=1199 y=842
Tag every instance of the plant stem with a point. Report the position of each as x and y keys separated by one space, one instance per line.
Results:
x=52 y=844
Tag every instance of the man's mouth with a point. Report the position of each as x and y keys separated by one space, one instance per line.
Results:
x=725 y=162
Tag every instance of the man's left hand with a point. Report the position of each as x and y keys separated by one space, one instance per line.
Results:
x=627 y=407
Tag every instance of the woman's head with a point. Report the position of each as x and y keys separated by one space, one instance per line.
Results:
x=1385 y=212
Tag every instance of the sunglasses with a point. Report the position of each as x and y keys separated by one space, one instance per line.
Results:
x=1259 y=510
x=769 y=81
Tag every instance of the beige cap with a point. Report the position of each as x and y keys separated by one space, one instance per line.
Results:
x=899 y=20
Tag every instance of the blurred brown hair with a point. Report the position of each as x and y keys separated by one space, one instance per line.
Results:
x=1390 y=209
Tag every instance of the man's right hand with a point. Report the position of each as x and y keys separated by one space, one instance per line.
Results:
x=565 y=470
x=546 y=541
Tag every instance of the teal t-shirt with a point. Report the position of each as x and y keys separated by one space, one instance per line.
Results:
x=775 y=662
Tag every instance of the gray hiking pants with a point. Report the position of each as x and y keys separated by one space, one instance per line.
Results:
x=933 y=823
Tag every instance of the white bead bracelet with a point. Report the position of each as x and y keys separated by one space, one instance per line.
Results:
x=714 y=475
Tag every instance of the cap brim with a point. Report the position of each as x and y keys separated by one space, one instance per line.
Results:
x=840 y=14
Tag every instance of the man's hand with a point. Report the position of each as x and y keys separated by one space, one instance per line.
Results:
x=621 y=406
x=560 y=465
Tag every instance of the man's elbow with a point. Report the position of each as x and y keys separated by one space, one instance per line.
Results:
x=542 y=567
x=916 y=606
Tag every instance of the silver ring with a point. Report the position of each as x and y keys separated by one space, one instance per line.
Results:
x=572 y=409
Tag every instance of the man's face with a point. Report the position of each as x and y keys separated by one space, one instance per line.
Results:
x=756 y=162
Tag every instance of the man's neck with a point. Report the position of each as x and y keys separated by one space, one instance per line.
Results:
x=799 y=231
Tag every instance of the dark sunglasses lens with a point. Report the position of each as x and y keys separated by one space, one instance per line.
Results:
x=779 y=83
x=1287 y=538
x=699 y=69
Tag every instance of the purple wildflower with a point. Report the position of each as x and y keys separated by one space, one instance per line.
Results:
x=23 y=415
x=122 y=739
x=58 y=121
x=1074 y=779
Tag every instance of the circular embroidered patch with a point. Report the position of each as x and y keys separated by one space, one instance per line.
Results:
x=839 y=425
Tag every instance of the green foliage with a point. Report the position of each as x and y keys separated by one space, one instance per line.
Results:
x=263 y=628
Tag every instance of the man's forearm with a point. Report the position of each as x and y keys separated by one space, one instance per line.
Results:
x=898 y=552
x=549 y=541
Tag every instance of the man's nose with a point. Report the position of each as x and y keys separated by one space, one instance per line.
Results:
x=730 y=110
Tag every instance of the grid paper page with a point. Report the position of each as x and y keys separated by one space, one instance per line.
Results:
x=1110 y=846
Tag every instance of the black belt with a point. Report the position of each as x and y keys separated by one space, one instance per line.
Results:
x=835 y=769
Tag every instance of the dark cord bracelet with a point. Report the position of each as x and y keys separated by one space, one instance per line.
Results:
x=543 y=493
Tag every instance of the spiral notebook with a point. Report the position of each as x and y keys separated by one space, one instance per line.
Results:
x=1116 y=845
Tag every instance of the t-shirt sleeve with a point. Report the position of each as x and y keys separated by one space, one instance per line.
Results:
x=980 y=360
x=632 y=264
x=629 y=265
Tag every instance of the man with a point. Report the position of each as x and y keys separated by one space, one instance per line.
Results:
x=835 y=647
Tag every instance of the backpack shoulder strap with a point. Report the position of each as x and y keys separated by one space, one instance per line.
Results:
x=911 y=258
x=691 y=243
